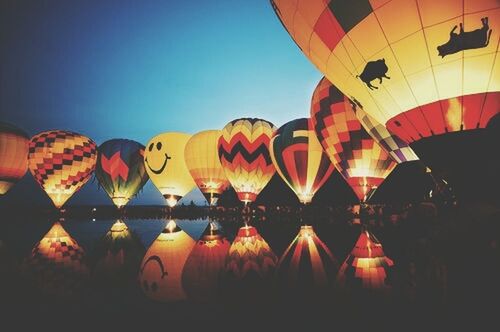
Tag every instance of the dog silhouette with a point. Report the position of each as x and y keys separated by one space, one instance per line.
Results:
x=374 y=69
x=478 y=38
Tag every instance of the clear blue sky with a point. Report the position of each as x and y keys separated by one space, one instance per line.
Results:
x=133 y=69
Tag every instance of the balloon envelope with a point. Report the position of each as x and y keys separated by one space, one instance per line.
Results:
x=165 y=163
x=120 y=169
x=243 y=150
x=360 y=160
x=299 y=158
x=61 y=162
x=204 y=165
x=13 y=155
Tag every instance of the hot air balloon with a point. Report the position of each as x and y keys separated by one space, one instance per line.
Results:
x=205 y=264
x=203 y=163
x=307 y=262
x=61 y=162
x=118 y=256
x=57 y=264
x=426 y=70
x=299 y=159
x=161 y=268
x=13 y=155
x=250 y=256
x=120 y=169
x=166 y=166
x=366 y=267
x=244 y=154
x=360 y=160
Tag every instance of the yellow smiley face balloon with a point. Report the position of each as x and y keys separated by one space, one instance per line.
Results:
x=165 y=165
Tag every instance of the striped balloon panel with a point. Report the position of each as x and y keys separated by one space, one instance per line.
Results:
x=13 y=155
x=299 y=158
x=307 y=261
x=61 y=162
x=353 y=152
x=243 y=150
x=120 y=169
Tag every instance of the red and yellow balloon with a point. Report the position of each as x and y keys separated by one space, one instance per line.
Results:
x=13 y=155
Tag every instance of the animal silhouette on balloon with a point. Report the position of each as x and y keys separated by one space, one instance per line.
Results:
x=463 y=40
x=373 y=70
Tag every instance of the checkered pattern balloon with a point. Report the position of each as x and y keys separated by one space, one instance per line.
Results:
x=61 y=162
x=360 y=160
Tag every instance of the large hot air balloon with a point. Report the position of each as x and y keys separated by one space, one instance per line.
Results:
x=161 y=268
x=61 y=162
x=360 y=160
x=118 y=256
x=120 y=169
x=244 y=154
x=299 y=158
x=205 y=265
x=427 y=70
x=307 y=262
x=57 y=264
x=366 y=267
x=13 y=155
x=166 y=166
x=204 y=165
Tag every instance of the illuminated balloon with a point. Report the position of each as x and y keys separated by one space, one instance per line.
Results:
x=299 y=158
x=421 y=68
x=61 y=162
x=57 y=264
x=366 y=267
x=307 y=262
x=166 y=166
x=205 y=265
x=244 y=154
x=203 y=163
x=13 y=156
x=161 y=268
x=120 y=169
x=360 y=160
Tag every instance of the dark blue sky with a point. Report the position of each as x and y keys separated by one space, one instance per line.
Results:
x=133 y=69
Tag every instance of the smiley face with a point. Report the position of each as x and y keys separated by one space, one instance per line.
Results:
x=152 y=274
x=158 y=147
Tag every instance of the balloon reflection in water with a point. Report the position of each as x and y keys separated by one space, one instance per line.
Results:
x=160 y=275
x=366 y=267
x=13 y=156
x=118 y=256
x=307 y=262
x=57 y=264
x=205 y=264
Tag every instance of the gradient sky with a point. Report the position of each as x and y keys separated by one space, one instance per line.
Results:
x=133 y=69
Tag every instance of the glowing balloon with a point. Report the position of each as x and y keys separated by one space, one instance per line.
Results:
x=203 y=163
x=161 y=268
x=166 y=166
x=366 y=267
x=61 y=162
x=57 y=264
x=421 y=68
x=205 y=265
x=360 y=160
x=299 y=158
x=120 y=169
x=13 y=156
x=244 y=154
x=307 y=262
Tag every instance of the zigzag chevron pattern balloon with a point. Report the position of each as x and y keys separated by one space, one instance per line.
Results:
x=244 y=154
x=61 y=162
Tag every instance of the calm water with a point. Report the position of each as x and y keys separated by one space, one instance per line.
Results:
x=80 y=274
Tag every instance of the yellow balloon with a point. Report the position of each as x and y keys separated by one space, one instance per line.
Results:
x=204 y=165
x=166 y=167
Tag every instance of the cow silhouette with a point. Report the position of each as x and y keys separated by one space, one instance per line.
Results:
x=374 y=69
x=478 y=38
